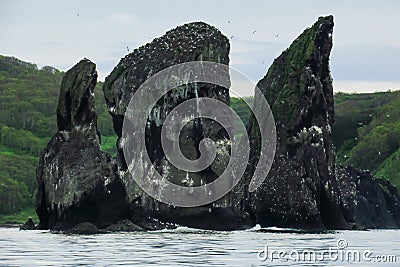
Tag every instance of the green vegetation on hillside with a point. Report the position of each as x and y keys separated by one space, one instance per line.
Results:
x=367 y=132
x=241 y=108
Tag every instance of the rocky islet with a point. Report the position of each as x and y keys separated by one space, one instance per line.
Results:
x=79 y=183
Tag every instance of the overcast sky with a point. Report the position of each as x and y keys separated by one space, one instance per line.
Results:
x=365 y=56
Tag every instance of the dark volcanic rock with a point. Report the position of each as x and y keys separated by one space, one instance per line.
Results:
x=304 y=190
x=300 y=190
x=190 y=42
x=76 y=179
x=145 y=219
x=28 y=225
x=368 y=202
x=84 y=228
x=123 y=226
x=76 y=106
x=81 y=190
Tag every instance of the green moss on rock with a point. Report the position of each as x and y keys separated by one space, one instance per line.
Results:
x=287 y=81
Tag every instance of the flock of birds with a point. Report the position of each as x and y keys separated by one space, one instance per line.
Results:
x=276 y=36
x=229 y=22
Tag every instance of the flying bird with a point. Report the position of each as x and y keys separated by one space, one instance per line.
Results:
x=254 y=32
x=77 y=14
x=277 y=35
x=229 y=21
x=231 y=37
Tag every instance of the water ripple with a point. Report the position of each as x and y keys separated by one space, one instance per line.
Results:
x=182 y=247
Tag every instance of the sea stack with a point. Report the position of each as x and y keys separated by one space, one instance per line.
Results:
x=196 y=41
x=301 y=190
x=76 y=180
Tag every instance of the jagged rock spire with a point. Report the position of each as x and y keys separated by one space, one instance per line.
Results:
x=76 y=179
x=76 y=105
x=301 y=185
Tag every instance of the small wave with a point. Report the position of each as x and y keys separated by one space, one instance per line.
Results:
x=280 y=230
x=182 y=229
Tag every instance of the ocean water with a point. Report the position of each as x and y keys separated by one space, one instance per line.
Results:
x=191 y=247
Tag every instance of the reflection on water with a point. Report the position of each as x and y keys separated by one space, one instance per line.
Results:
x=184 y=247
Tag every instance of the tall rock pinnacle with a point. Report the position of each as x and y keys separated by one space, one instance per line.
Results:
x=300 y=189
x=196 y=41
x=76 y=102
x=76 y=179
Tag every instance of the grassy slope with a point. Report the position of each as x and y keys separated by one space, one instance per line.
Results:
x=20 y=217
x=367 y=132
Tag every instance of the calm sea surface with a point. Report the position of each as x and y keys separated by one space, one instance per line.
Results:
x=189 y=247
